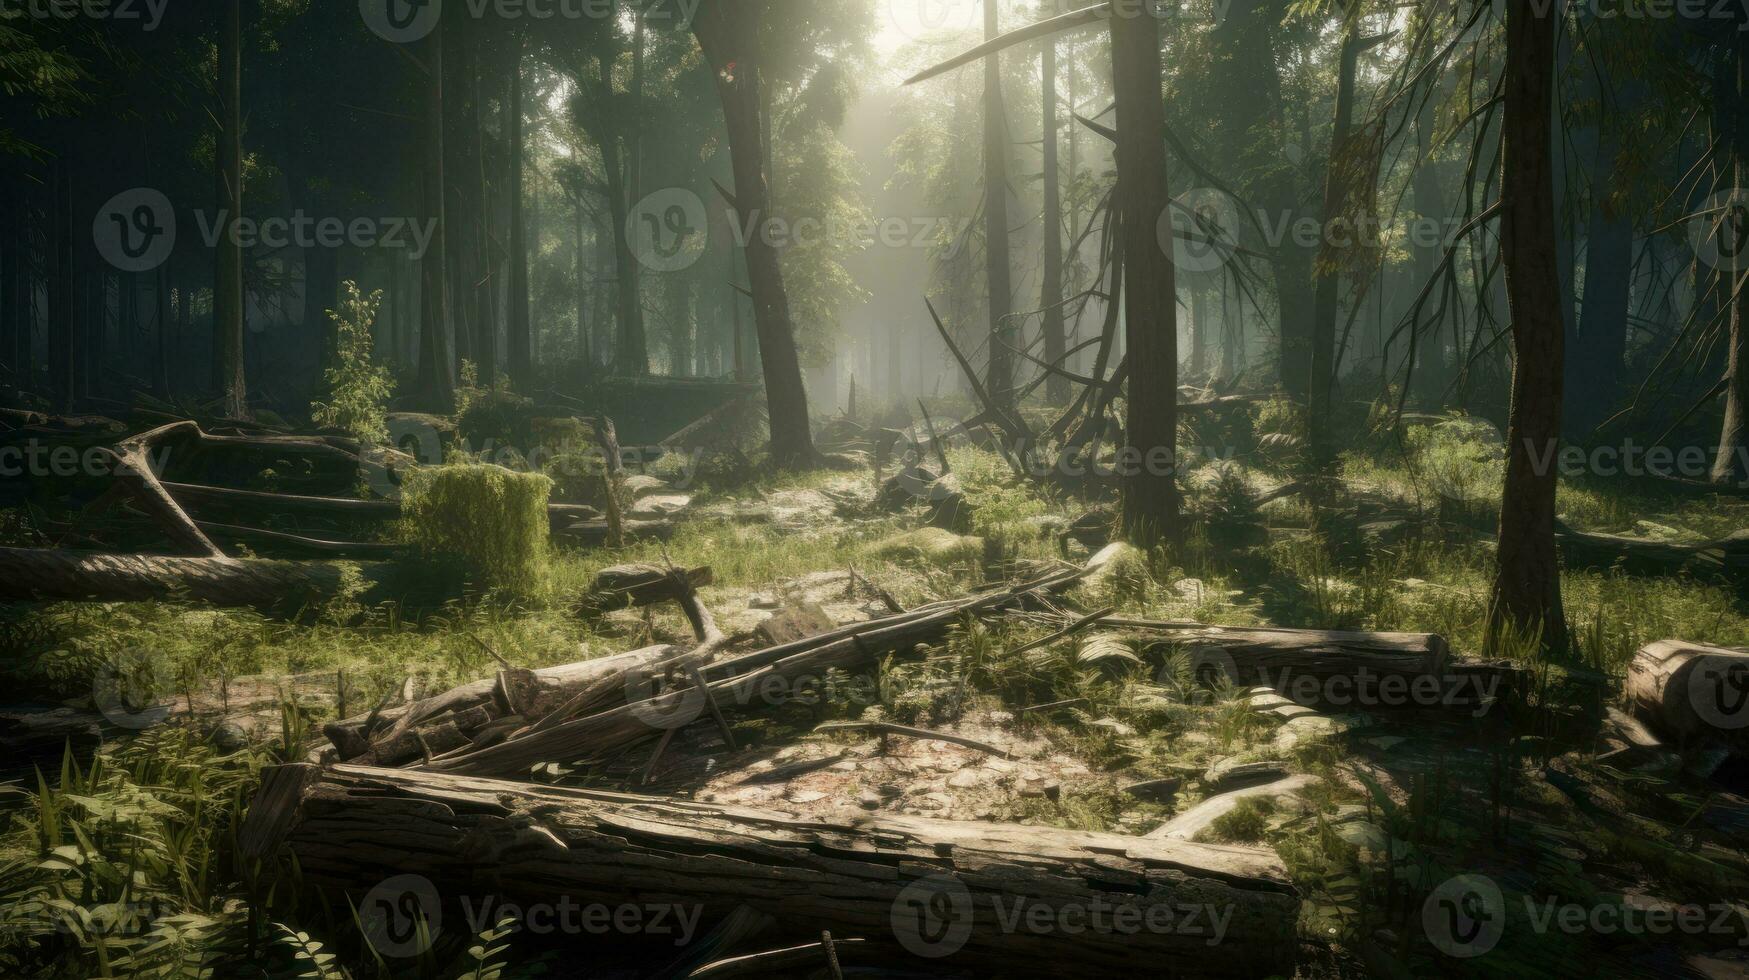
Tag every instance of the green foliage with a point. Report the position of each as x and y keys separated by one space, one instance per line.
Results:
x=493 y=519
x=358 y=388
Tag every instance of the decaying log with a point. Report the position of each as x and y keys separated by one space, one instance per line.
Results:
x=1302 y=662
x=1689 y=691
x=890 y=880
x=749 y=681
x=133 y=466
x=640 y=585
x=203 y=499
x=1190 y=823
x=532 y=693
x=275 y=587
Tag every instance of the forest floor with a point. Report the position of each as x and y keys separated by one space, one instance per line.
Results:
x=1390 y=807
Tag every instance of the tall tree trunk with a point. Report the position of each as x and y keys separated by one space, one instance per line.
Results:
x=12 y=225
x=1431 y=375
x=228 y=299
x=1527 y=586
x=1150 y=489
x=1051 y=295
x=521 y=342
x=1327 y=297
x=1000 y=373
x=584 y=352
x=486 y=291
x=730 y=41
x=1199 y=334
x=64 y=340
x=1734 y=435
x=436 y=362
x=161 y=334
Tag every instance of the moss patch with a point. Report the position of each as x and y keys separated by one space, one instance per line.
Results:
x=491 y=518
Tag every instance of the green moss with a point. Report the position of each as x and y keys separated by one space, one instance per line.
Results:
x=491 y=518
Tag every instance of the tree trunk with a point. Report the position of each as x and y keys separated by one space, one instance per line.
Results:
x=12 y=253
x=935 y=887
x=486 y=291
x=521 y=343
x=1734 y=435
x=228 y=299
x=999 y=379
x=1140 y=203
x=1051 y=295
x=64 y=340
x=731 y=44
x=584 y=352
x=436 y=358
x=1527 y=585
x=1327 y=296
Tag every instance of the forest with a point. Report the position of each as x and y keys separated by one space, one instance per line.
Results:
x=874 y=488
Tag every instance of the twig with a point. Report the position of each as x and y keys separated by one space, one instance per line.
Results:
x=887 y=728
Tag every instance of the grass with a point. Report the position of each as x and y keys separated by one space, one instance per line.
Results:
x=150 y=821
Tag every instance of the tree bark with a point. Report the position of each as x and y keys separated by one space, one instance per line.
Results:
x=1051 y=295
x=1527 y=583
x=885 y=879
x=521 y=342
x=999 y=379
x=228 y=298
x=65 y=345
x=730 y=40
x=436 y=354
x=1140 y=203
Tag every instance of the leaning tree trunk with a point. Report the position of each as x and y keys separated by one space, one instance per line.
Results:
x=1734 y=436
x=436 y=362
x=1141 y=202
x=1527 y=584
x=730 y=40
x=999 y=378
x=228 y=311
x=937 y=888
x=1051 y=294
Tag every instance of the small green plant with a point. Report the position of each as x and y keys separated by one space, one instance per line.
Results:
x=493 y=519
x=358 y=388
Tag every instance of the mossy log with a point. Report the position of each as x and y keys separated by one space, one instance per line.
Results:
x=946 y=889
x=274 y=587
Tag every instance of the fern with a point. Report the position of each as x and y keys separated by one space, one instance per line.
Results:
x=307 y=951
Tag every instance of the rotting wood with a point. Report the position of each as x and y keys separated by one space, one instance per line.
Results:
x=923 y=734
x=351 y=827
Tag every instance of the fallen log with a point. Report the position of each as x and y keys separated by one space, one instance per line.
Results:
x=1192 y=822
x=640 y=585
x=759 y=679
x=936 y=888
x=1302 y=664
x=278 y=588
x=1690 y=691
x=203 y=499
x=1724 y=559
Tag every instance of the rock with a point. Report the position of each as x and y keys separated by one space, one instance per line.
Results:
x=806 y=796
x=795 y=623
x=660 y=505
x=868 y=799
x=228 y=737
x=931 y=545
x=639 y=486
x=964 y=779
x=1037 y=786
x=905 y=487
x=763 y=600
